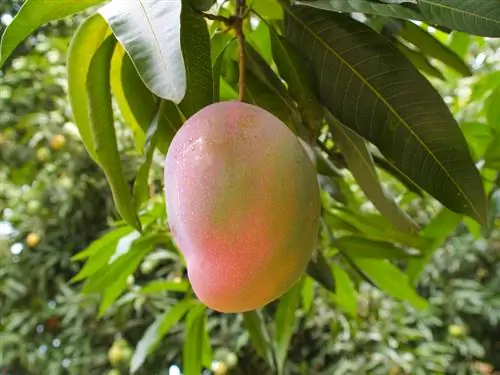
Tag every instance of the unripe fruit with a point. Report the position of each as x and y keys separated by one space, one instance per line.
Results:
x=243 y=205
x=43 y=154
x=32 y=240
x=456 y=330
x=57 y=142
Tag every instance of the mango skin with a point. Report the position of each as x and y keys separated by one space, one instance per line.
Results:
x=243 y=205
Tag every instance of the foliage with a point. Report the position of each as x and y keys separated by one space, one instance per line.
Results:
x=368 y=91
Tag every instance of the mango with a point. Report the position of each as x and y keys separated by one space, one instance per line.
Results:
x=243 y=205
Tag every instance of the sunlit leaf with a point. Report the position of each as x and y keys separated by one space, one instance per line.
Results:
x=32 y=15
x=151 y=34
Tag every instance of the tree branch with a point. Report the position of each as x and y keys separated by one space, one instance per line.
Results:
x=240 y=16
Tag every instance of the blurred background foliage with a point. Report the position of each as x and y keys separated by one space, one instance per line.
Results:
x=55 y=202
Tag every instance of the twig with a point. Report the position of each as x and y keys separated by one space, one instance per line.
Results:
x=213 y=17
x=239 y=16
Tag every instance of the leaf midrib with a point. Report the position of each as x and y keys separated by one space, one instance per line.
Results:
x=156 y=41
x=382 y=99
x=451 y=9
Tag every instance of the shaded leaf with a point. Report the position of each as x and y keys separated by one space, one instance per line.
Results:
x=360 y=163
x=155 y=333
x=85 y=42
x=254 y=324
x=471 y=16
x=195 y=42
x=286 y=323
x=356 y=246
x=193 y=343
x=365 y=6
x=370 y=87
x=429 y=45
x=390 y=279
x=307 y=294
x=151 y=34
x=319 y=269
x=294 y=71
x=419 y=60
x=103 y=131
x=32 y=15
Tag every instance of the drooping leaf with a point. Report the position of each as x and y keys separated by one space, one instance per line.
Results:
x=365 y=6
x=193 y=343
x=307 y=294
x=101 y=251
x=429 y=45
x=390 y=279
x=82 y=48
x=471 y=16
x=217 y=70
x=103 y=131
x=32 y=15
x=295 y=72
x=357 y=246
x=141 y=182
x=320 y=271
x=419 y=60
x=436 y=231
x=374 y=226
x=384 y=164
x=151 y=34
x=360 y=163
x=286 y=323
x=158 y=286
x=346 y=294
x=370 y=87
x=254 y=324
x=195 y=43
x=108 y=239
x=117 y=81
x=156 y=332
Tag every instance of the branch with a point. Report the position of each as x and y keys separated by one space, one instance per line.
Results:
x=240 y=16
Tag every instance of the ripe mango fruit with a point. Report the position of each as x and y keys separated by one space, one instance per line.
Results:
x=243 y=205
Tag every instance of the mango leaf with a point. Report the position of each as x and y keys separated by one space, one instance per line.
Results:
x=32 y=15
x=103 y=131
x=477 y=17
x=419 y=60
x=492 y=155
x=373 y=226
x=286 y=323
x=217 y=70
x=84 y=44
x=109 y=239
x=346 y=295
x=156 y=332
x=111 y=280
x=436 y=231
x=254 y=324
x=365 y=6
x=307 y=294
x=158 y=286
x=360 y=163
x=430 y=46
x=459 y=43
x=319 y=269
x=151 y=34
x=357 y=246
x=193 y=343
x=370 y=87
x=295 y=72
x=117 y=81
x=195 y=43
x=390 y=279
x=269 y=9
x=383 y=164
